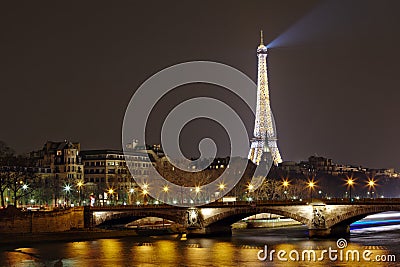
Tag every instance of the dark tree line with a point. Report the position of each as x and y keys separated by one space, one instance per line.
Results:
x=14 y=175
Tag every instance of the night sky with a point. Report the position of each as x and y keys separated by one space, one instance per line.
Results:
x=68 y=70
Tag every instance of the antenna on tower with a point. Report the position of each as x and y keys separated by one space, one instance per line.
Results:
x=261 y=38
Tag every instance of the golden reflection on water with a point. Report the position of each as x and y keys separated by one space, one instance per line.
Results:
x=77 y=249
x=223 y=253
x=111 y=250
x=195 y=255
x=143 y=253
x=168 y=253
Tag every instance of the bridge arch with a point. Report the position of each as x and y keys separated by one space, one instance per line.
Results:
x=123 y=217
x=358 y=213
x=227 y=218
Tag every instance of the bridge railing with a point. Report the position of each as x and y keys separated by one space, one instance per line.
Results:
x=362 y=201
x=337 y=201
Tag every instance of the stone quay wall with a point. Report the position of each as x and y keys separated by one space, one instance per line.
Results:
x=15 y=221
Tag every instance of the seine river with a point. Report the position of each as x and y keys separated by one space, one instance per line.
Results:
x=242 y=249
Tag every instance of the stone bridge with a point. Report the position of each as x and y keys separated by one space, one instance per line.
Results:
x=322 y=217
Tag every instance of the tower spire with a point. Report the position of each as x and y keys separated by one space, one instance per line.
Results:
x=261 y=38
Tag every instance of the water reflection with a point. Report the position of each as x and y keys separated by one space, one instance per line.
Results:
x=111 y=252
x=166 y=251
x=239 y=250
x=20 y=256
x=223 y=253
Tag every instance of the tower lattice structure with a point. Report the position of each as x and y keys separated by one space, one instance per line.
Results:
x=265 y=138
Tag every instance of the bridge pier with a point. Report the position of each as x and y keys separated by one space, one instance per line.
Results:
x=340 y=230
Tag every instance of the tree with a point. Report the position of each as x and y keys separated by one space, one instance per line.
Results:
x=3 y=187
x=269 y=190
x=6 y=160
x=15 y=183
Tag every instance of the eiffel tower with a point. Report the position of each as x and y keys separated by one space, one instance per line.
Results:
x=265 y=138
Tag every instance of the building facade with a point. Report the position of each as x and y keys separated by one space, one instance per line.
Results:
x=107 y=176
x=66 y=168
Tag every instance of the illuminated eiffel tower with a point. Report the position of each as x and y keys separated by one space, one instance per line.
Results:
x=265 y=138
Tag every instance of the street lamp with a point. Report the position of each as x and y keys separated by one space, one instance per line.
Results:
x=221 y=186
x=131 y=191
x=165 y=189
x=111 y=192
x=285 y=184
x=80 y=184
x=250 y=187
x=371 y=184
x=350 y=183
x=311 y=184
x=145 y=192
x=67 y=189
x=25 y=187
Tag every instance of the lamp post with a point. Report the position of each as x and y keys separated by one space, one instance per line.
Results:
x=80 y=184
x=250 y=188
x=67 y=189
x=350 y=184
x=111 y=192
x=131 y=191
x=25 y=187
x=371 y=184
x=311 y=185
x=285 y=184
x=165 y=190
x=221 y=187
